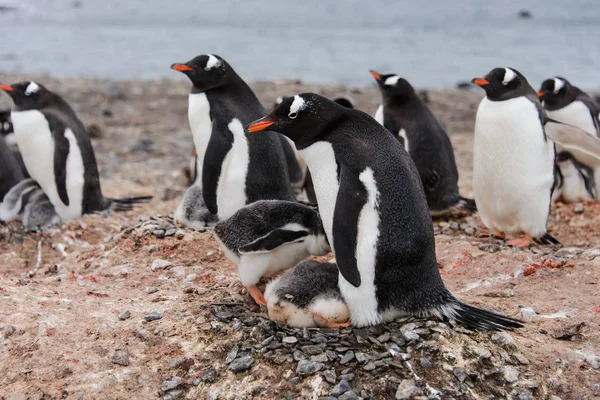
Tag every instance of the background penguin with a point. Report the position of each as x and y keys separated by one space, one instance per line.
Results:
x=10 y=170
x=567 y=103
x=407 y=117
x=577 y=180
x=58 y=153
x=306 y=296
x=374 y=212
x=234 y=170
x=269 y=236
x=513 y=160
x=7 y=132
x=27 y=202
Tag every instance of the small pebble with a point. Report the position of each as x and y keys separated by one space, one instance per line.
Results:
x=241 y=364
x=340 y=388
x=290 y=340
x=369 y=366
x=312 y=350
x=407 y=390
x=306 y=367
x=8 y=330
x=196 y=382
x=349 y=377
x=329 y=376
x=426 y=363
x=232 y=354
x=210 y=375
x=153 y=316
x=361 y=357
x=121 y=357
x=151 y=289
x=349 y=396
x=347 y=357
x=169 y=385
x=159 y=264
x=460 y=373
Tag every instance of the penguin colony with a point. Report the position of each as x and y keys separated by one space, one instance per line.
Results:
x=372 y=184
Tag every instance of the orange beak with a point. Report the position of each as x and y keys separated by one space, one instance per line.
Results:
x=375 y=75
x=480 y=81
x=259 y=126
x=195 y=154
x=6 y=88
x=540 y=94
x=181 y=67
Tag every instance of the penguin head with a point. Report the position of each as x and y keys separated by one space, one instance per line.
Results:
x=29 y=95
x=392 y=85
x=503 y=84
x=302 y=118
x=555 y=89
x=207 y=71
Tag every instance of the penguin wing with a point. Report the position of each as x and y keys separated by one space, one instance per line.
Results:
x=349 y=203
x=592 y=106
x=272 y=240
x=217 y=149
x=573 y=138
x=61 y=152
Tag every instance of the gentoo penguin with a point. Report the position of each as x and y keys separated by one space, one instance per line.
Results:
x=10 y=170
x=374 y=212
x=7 y=132
x=567 y=103
x=58 y=153
x=28 y=203
x=513 y=160
x=406 y=116
x=235 y=170
x=269 y=236
x=307 y=296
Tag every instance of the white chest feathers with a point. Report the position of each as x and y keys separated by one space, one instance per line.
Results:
x=576 y=114
x=201 y=126
x=36 y=144
x=231 y=189
x=379 y=115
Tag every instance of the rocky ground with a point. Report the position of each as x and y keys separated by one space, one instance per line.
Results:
x=131 y=306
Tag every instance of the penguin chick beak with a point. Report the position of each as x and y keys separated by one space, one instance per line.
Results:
x=375 y=75
x=259 y=125
x=6 y=88
x=540 y=94
x=480 y=82
x=181 y=67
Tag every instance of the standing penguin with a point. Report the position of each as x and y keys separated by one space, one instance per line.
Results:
x=567 y=103
x=374 y=213
x=407 y=117
x=58 y=153
x=234 y=170
x=513 y=160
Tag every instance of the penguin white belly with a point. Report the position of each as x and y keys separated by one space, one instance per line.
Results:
x=379 y=115
x=36 y=144
x=201 y=126
x=231 y=189
x=512 y=167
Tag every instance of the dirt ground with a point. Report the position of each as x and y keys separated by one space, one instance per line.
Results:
x=65 y=294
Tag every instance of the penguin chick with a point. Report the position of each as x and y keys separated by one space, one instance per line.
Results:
x=192 y=212
x=307 y=296
x=270 y=236
x=27 y=202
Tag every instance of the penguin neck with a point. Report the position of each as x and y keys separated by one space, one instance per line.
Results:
x=400 y=99
x=235 y=88
x=554 y=102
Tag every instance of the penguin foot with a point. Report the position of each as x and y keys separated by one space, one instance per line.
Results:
x=257 y=295
x=523 y=241
x=327 y=323
x=499 y=235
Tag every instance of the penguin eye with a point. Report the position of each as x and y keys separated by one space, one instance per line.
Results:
x=293 y=115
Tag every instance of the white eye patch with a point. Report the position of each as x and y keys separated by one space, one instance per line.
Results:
x=297 y=105
x=32 y=88
x=392 y=80
x=212 y=62
x=558 y=84
x=509 y=75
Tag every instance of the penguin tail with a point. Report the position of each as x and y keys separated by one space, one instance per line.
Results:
x=128 y=203
x=476 y=318
x=546 y=239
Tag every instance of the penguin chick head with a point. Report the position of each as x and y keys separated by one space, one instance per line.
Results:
x=206 y=71
x=391 y=85
x=302 y=118
x=503 y=84
x=554 y=89
x=28 y=95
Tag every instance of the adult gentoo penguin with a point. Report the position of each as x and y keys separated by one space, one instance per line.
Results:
x=374 y=212
x=407 y=117
x=567 y=103
x=269 y=236
x=513 y=160
x=58 y=153
x=235 y=170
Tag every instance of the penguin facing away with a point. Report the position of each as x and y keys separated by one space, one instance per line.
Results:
x=235 y=170
x=374 y=212
x=269 y=236
x=58 y=153
x=407 y=117
x=513 y=158
x=307 y=296
x=10 y=170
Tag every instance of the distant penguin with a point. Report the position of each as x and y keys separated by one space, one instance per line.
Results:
x=58 y=153
x=513 y=158
x=577 y=180
x=269 y=236
x=407 y=117
x=567 y=103
x=307 y=296
x=235 y=170
x=374 y=212
x=26 y=202
x=7 y=132
x=10 y=170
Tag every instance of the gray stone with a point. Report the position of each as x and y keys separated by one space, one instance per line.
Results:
x=346 y=358
x=153 y=316
x=241 y=364
x=8 y=330
x=306 y=367
x=159 y=264
x=151 y=289
x=340 y=388
x=426 y=363
x=319 y=358
x=594 y=361
x=407 y=390
x=121 y=357
x=369 y=366
x=312 y=350
x=170 y=232
x=141 y=334
x=290 y=340
x=504 y=340
x=511 y=374
x=480 y=352
x=168 y=385
x=125 y=315
x=348 y=377
x=197 y=382
x=210 y=375
x=521 y=359
x=460 y=373
x=349 y=396
x=361 y=357
x=232 y=354
x=329 y=376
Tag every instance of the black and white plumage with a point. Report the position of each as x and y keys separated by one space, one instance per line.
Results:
x=10 y=169
x=569 y=104
x=408 y=118
x=374 y=213
x=7 y=132
x=58 y=153
x=27 y=202
x=306 y=296
x=233 y=170
x=269 y=236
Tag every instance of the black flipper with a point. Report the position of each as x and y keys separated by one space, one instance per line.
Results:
x=216 y=151
x=351 y=198
x=546 y=239
x=309 y=187
x=476 y=318
x=61 y=152
x=272 y=240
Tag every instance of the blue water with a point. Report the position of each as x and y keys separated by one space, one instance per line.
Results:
x=433 y=43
